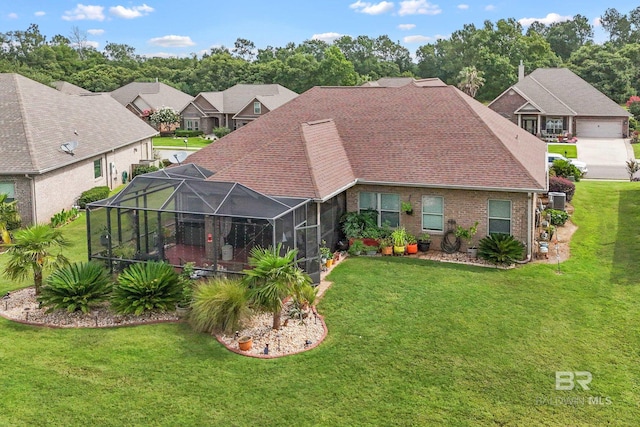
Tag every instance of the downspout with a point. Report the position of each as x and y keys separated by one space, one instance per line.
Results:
x=529 y=230
x=34 y=216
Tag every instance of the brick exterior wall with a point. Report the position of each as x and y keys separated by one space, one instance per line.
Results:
x=464 y=206
x=507 y=104
x=61 y=188
x=22 y=193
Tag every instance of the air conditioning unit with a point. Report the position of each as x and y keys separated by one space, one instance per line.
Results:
x=557 y=200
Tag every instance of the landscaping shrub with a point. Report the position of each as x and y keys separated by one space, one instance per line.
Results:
x=181 y=133
x=559 y=184
x=93 y=195
x=565 y=169
x=142 y=169
x=76 y=287
x=634 y=108
x=63 y=217
x=146 y=286
x=221 y=131
x=500 y=249
x=557 y=217
x=219 y=305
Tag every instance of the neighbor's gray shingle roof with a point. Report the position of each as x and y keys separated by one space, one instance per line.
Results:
x=70 y=89
x=409 y=135
x=154 y=94
x=559 y=91
x=234 y=99
x=35 y=120
x=402 y=81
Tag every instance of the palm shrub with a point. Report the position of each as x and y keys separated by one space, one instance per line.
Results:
x=146 y=286
x=565 y=169
x=219 y=304
x=500 y=249
x=35 y=250
x=76 y=287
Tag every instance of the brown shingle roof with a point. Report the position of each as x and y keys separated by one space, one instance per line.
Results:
x=234 y=99
x=35 y=120
x=151 y=95
x=410 y=135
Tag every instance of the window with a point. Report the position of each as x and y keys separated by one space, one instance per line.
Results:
x=9 y=189
x=97 y=168
x=385 y=206
x=554 y=126
x=192 y=124
x=433 y=213
x=499 y=217
x=257 y=108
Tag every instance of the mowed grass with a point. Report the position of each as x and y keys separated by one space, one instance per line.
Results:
x=193 y=142
x=570 y=151
x=410 y=343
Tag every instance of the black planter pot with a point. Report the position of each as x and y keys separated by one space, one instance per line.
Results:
x=423 y=246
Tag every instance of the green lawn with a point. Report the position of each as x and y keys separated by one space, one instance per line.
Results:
x=159 y=142
x=410 y=343
x=636 y=150
x=570 y=151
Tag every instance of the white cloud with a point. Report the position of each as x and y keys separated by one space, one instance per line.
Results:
x=417 y=39
x=597 y=22
x=161 y=55
x=40 y=13
x=489 y=7
x=551 y=18
x=95 y=32
x=463 y=6
x=406 y=27
x=172 y=41
x=130 y=13
x=326 y=37
x=13 y=15
x=418 y=7
x=82 y=12
x=372 y=8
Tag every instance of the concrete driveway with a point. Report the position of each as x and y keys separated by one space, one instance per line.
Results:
x=605 y=157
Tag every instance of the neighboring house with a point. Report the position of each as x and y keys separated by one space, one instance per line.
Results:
x=403 y=81
x=70 y=89
x=234 y=107
x=289 y=176
x=42 y=173
x=141 y=98
x=554 y=101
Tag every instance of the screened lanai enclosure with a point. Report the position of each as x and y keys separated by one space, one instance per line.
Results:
x=178 y=216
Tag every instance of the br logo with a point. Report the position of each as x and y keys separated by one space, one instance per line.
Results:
x=565 y=380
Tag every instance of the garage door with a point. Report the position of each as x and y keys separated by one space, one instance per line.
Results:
x=599 y=128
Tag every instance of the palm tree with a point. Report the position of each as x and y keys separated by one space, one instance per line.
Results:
x=470 y=81
x=9 y=217
x=34 y=250
x=273 y=278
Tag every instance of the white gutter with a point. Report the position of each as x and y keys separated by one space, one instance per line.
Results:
x=452 y=187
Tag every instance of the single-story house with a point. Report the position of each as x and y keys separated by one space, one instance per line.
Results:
x=141 y=98
x=339 y=149
x=555 y=101
x=55 y=145
x=234 y=107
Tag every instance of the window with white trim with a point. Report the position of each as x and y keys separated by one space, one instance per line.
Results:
x=433 y=213
x=97 y=168
x=9 y=189
x=554 y=126
x=499 y=216
x=386 y=206
x=192 y=124
x=257 y=108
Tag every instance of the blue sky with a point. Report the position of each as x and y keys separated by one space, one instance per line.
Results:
x=179 y=28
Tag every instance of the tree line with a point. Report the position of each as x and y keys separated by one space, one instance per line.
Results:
x=488 y=55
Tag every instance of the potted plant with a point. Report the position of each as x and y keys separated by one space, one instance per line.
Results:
x=325 y=252
x=467 y=234
x=386 y=246
x=399 y=237
x=412 y=244
x=356 y=248
x=370 y=250
x=245 y=342
x=105 y=237
x=424 y=242
x=407 y=208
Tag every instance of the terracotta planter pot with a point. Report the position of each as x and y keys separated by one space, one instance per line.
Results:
x=387 y=250
x=412 y=248
x=245 y=343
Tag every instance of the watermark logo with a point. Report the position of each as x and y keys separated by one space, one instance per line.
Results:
x=566 y=380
